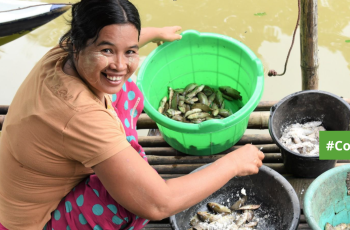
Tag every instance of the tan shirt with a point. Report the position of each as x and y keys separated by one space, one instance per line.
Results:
x=55 y=131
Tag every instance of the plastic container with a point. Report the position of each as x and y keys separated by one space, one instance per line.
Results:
x=203 y=58
x=275 y=194
x=326 y=199
x=302 y=107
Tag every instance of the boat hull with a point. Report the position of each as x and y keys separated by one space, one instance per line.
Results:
x=17 y=27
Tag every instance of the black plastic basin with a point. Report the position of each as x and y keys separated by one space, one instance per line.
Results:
x=275 y=194
x=302 y=107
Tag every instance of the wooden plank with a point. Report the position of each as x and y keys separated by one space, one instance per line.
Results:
x=169 y=151
x=187 y=168
x=152 y=141
x=265 y=105
x=188 y=160
x=301 y=226
x=159 y=226
x=256 y=139
x=258 y=120
x=159 y=160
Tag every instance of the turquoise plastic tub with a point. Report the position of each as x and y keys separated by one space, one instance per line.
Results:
x=203 y=58
x=326 y=199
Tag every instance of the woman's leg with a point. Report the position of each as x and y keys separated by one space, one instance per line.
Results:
x=89 y=207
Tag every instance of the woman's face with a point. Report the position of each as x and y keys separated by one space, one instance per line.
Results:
x=107 y=63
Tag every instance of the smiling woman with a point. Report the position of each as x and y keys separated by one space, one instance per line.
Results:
x=106 y=63
x=69 y=157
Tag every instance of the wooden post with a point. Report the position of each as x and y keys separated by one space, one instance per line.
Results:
x=308 y=44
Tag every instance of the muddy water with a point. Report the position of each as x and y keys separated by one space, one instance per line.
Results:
x=265 y=26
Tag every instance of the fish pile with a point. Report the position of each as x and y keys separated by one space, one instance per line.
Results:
x=303 y=138
x=237 y=217
x=197 y=103
x=338 y=227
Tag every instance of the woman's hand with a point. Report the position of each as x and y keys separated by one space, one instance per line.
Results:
x=159 y=35
x=247 y=160
x=167 y=34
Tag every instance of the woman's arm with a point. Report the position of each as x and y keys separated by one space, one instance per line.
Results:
x=154 y=34
x=135 y=185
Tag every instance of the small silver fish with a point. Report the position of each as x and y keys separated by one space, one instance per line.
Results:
x=192 y=112
x=238 y=203
x=194 y=220
x=162 y=104
x=198 y=115
x=250 y=215
x=173 y=112
x=250 y=207
x=242 y=219
x=218 y=208
x=207 y=217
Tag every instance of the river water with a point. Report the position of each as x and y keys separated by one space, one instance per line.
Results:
x=265 y=26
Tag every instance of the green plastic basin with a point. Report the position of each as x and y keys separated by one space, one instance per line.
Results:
x=203 y=58
x=326 y=199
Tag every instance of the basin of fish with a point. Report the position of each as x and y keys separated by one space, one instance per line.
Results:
x=277 y=205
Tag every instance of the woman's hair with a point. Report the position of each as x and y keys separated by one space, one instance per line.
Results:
x=90 y=16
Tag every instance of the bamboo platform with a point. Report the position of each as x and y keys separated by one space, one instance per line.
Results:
x=171 y=163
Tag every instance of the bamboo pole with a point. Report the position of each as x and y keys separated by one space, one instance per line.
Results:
x=308 y=44
x=256 y=139
x=167 y=160
x=187 y=168
x=259 y=120
x=169 y=151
